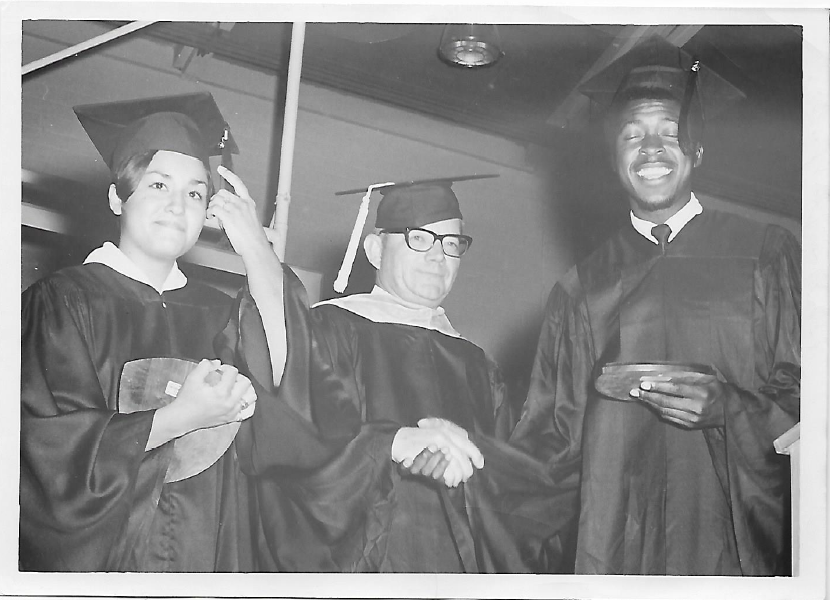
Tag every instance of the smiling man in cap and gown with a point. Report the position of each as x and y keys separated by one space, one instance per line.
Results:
x=403 y=470
x=675 y=475
x=96 y=486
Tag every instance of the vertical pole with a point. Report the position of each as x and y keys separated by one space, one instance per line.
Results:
x=280 y=220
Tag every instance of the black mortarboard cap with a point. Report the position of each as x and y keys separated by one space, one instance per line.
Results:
x=403 y=204
x=416 y=205
x=656 y=64
x=190 y=124
x=656 y=68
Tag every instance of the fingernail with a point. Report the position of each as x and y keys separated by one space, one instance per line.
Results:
x=635 y=393
x=646 y=385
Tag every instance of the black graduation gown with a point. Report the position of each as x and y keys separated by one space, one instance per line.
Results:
x=91 y=498
x=656 y=498
x=329 y=495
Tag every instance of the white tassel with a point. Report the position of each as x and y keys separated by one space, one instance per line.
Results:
x=351 y=250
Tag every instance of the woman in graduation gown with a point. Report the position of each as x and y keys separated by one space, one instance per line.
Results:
x=93 y=489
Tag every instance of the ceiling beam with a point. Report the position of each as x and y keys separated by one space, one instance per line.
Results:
x=574 y=109
x=83 y=46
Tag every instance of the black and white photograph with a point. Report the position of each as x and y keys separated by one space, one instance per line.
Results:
x=415 y=301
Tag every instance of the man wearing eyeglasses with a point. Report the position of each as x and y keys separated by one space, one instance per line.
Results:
x=412 y=267
x=403 y=470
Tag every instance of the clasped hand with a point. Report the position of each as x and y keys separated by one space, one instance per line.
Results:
x=214 y=394
x=439 y=449
x=696 y=405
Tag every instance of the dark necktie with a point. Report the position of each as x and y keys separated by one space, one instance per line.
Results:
x=661 y=233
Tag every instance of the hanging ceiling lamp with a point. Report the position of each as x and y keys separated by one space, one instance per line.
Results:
x=469 y=45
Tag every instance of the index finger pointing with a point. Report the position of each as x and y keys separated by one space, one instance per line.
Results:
x=239 y=188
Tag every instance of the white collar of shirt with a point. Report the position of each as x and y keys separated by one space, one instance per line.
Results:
x=677 y=221
x=111 y=255
x=382 y=307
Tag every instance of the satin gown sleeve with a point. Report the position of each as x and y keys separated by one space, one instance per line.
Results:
x=550 y=426
x=288 y=431
x=84 y=470
x=297 y=445
x=753 y=476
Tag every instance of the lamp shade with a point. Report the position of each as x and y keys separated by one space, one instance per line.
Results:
x=469 y=45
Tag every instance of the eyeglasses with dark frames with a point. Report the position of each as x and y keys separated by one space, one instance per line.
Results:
x=421 y=240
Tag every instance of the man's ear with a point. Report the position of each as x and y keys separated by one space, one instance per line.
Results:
x=698 y=156
x=373 y=245
x=115 y=201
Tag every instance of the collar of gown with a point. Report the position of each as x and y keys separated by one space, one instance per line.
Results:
x=677 y=221
x=111 y=255
x=382 y=307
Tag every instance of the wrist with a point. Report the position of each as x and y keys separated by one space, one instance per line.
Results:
x=169 y=424
x=260 y=256
x=394 y=446
x=258 y=247
x=398 y=450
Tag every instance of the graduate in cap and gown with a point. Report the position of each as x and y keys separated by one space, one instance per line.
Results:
x=674 y=475
x=404 y=468
x=95 y=491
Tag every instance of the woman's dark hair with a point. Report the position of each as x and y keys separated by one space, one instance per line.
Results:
x=127 y=175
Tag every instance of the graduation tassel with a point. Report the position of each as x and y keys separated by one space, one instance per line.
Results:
x=351 y=250
x=684 y=136
x=226 y=161
x=227 y=157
